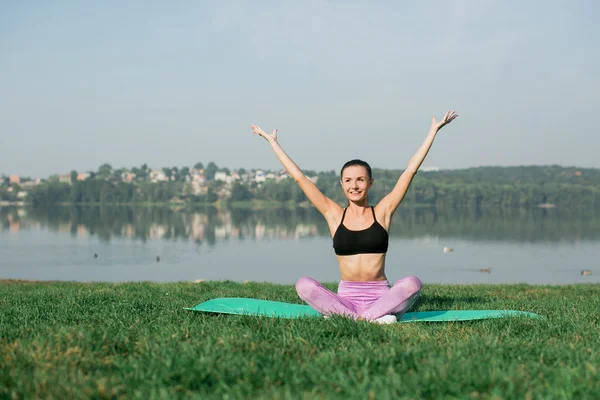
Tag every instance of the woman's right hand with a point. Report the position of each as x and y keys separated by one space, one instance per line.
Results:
x=270 y=138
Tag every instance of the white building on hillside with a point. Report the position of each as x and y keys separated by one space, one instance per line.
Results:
x=158 y=176
x=221 y=176
x=259 y=176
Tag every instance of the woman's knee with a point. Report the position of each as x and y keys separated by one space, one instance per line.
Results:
x=305 y=285
x=410 y=283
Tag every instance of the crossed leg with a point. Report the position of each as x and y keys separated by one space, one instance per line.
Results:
x=324 y=300
x=396 y=301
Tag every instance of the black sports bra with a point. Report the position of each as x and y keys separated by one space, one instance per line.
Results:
x=374 y=239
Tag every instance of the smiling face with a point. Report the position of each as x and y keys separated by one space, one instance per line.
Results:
x=356 y=183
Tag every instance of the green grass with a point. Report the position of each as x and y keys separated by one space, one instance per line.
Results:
x=133 y=340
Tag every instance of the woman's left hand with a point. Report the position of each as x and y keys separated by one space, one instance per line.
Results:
x=270 y=138
x=448 y=117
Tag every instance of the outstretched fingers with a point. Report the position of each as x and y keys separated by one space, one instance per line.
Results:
x=258 y=131
x=450 y=116
x=453 y=116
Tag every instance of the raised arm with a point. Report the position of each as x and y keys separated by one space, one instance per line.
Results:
x=321 y=202
x=393 y=199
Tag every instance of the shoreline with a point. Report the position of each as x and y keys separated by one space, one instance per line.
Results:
x=12 y=203
x=13 y=281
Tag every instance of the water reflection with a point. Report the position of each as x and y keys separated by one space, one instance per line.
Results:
x=210 y=225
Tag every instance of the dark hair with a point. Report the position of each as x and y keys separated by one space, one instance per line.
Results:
x=360 y=163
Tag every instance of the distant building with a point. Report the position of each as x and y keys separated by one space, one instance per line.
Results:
x=245 y=177
x=259 y=176
x=221 y=176
x=127 y=177
x=14 y=179
x=200 y=179
x=64 y=178
x=158 y=176
x=198 y=188
x=82 y=176
x=31 y=184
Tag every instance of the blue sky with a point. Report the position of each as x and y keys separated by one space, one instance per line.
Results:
x=173 y=83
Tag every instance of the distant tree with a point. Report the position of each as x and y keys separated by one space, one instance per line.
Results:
x=49 y=193
x=105 y=167
x=76 y=193
x=167 y=172
x=198 y=198
x=104 y=171
x=241 y=171
x=141 y=173
x=137 y=172
x=210 y=171
x=188 y=190
x=217 y=184
x=211 y=196
x=106 y=194
x=198 y=165
x=118 y=173
x=183 y=173
x=73 y=176
x=240 y=193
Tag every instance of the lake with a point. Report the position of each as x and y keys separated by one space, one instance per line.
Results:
x=538 y=246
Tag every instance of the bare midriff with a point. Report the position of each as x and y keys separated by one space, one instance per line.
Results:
x=362 y=267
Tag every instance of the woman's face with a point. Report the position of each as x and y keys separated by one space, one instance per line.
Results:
x=356 y=183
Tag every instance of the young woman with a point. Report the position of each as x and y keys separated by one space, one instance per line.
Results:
x=360 y=238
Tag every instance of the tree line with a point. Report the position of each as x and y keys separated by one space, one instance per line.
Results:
x=476 y=188
x=481 y=187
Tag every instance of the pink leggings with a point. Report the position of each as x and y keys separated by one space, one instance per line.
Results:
x=368 y=300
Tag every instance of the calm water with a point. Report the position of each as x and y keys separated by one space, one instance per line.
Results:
x=122 y=244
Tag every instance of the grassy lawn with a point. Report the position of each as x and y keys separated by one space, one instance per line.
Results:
x=133 y=340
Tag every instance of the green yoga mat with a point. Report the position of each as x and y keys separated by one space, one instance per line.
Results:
x=245 y=306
